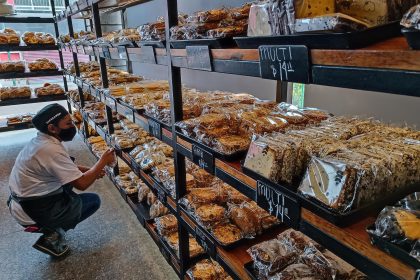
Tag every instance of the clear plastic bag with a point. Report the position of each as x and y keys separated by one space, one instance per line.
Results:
x=271 y=17
x=412 y=18
x=328 y=23
x=157 y=209
x=166 y=224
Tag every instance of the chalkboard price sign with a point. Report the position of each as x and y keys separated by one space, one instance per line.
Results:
x=198 y=57
x=122 y=52
x=155 y=129
x=148 y=54
x=286 y=209
x=203 y=159
x=204 y=242
x=285 y=63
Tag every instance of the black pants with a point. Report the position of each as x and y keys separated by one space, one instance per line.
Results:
x=57 y=211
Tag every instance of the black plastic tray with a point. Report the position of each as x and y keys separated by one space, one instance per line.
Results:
x=162 y=124
x=232 y=157
x=413 y=37
x=157 y=44
x=344 y=219
x=344 y=40
x=249 y=268
x=288 y=190
x=392 y=249
x=216 y=43
x=129 y=44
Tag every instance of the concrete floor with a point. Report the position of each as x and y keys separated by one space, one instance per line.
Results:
x=111 y=244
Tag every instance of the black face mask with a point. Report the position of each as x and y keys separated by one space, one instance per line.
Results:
x=67 y=134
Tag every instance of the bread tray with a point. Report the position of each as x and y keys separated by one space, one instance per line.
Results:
x=344 y=219
x=162 y=124
x=392 y=249
x=227 y=157
x=215 y=242
x=249 y=268
x=173 y=253
x=157 y=44
x=287 y=190
x=141 y=209
x=413 y=37
x=214 y=43
x=139 y=111
x=325 y=40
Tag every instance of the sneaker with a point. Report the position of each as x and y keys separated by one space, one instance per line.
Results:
x=52 y=245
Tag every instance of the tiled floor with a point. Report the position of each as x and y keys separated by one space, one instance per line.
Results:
x=109 y=245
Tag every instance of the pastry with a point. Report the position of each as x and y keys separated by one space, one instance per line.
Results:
x=42 y=64
x=227 y=233
x=166 y=224
x=12 y=66
x=49 y=89
x=210 y=214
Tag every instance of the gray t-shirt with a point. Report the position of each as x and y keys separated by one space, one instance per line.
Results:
x=42 y=167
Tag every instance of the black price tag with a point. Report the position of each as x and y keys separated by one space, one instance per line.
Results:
x=203 y=159
x=122 y=52
x=198 y=57
x=106 y=53
x=155 y=129
x=161 y=195
x=286 y=209
x=204 y=242
x=285 y=63
x=148 y=54
x=110 y=102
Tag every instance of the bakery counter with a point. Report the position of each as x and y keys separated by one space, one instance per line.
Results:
x=389 y=66
x=350 y=242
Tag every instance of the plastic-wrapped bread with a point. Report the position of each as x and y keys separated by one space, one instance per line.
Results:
x=271 y=17
x=313 y=8
x=207 y=270
x=166 y=224
x=375 y=12
x=296 y=271
x=227 y=233
x=329 y=23
x=157 y=209
x=411 y=19
x=143 y=191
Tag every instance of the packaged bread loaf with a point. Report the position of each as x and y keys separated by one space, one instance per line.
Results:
x=12 y=66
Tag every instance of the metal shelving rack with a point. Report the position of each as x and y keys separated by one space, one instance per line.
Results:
x=6 y=48
x=369 y=68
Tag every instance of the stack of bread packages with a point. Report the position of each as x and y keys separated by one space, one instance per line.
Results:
x=282 y=17
x=224 y=212
x=342 y=163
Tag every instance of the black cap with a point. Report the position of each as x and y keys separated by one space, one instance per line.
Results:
x=50 y=114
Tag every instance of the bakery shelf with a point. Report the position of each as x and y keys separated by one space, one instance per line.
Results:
x=20 y=48
x=169 y=256
x=46 y=73
x=18 y=126
x=351 y=243
x=20 y=101
x=20 y=19
x=389 y=66
x=234 y=259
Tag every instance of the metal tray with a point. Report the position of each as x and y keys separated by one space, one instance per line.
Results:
x=344 y=219
x=216 y=43
x=413 y=37
x=232 y=157
x=344 y=40
x=157 y=44
x=249 y=268
x=392 y=249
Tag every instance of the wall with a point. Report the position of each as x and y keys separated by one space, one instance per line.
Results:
x=387 y=107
